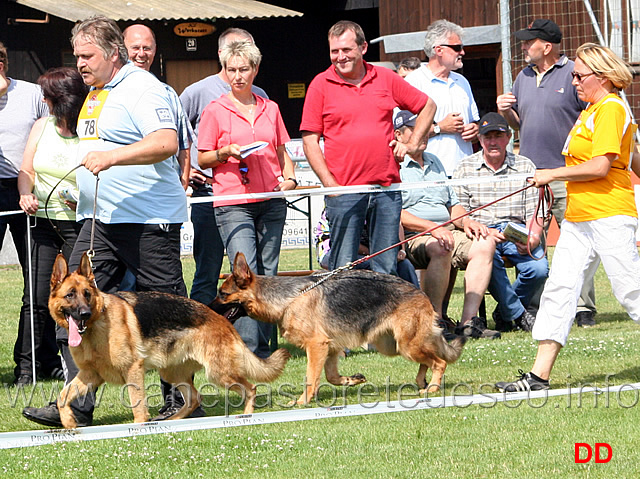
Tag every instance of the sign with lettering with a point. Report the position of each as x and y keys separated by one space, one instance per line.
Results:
x=296 y=90
x=193 y=29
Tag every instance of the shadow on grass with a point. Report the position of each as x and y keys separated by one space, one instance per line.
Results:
x=6 y=375
x=297 y=352
x=626 y=376
x=612 y=318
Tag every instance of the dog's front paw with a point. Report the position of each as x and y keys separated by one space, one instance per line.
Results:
x=355 y=379
x=431 y=388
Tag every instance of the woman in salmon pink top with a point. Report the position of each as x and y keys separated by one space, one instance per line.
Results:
x=251 y=226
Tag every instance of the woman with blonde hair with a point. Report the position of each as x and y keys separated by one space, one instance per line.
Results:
x=601 y=219
x=251 y=226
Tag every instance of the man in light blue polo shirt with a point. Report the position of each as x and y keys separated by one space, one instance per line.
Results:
x=465 y=245
x=127 y=129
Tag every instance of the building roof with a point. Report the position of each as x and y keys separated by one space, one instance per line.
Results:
x=76 y=10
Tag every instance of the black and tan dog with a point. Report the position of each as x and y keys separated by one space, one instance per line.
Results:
x=345 y=311
x=115 y=338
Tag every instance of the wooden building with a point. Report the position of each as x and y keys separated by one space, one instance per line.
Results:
x=612 y=22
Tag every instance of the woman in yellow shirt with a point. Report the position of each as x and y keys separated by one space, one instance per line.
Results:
x=601 y=219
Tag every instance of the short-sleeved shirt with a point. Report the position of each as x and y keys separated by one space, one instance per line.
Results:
x=20 y=107
x=433 y=204
x=222 y=124
x=451 y=96
x=137 y=105
x=604 y=127
x=356 y=122
x=547 y=112
x=195 y=99
x=185 y=132
x=517 y=208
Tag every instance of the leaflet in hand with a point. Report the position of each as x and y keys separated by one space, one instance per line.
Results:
x=516 y=233
x=246 y=150
x=68 y=194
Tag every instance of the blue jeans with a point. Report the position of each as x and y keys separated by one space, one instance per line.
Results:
x=208 y=249
x=514 y=298
x=254 y=229
x=347 y=215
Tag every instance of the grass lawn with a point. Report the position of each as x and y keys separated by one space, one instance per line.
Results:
x=521 y=440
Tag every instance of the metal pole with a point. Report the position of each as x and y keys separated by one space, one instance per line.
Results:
x=601 y=39
x=310 y=231
x=31 y=319
x=505 y=42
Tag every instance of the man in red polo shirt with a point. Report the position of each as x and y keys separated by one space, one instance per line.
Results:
x=351 y=105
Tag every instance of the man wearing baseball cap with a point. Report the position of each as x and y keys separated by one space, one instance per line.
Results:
x=495 y=162
x=544 y=105
x=446 y=247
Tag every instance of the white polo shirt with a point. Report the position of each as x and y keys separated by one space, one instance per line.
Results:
x=451 y=96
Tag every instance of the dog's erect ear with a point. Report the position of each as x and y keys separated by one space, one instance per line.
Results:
x=85 y=267
x=241 y=271
x=60 y=271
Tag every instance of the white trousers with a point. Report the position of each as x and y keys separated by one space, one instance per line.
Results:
x=578 y=253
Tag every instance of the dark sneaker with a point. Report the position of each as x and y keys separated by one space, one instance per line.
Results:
x=525 y=321
x=448 y=328
x=502 y=325
x=447 y=324
x=23 y=380
x=476 y=328
x=55 y=373
x=50 y=416
x=527 y=382
x=585 y=319
x=169 y=410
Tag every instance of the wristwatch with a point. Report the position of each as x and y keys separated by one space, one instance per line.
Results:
x=436 y=128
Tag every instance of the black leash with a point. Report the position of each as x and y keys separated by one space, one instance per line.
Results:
x=46 y=205
x=90 y=252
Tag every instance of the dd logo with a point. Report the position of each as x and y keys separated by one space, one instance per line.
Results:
x=589 y=454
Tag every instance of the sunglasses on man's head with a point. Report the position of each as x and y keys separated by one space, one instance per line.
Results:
x=244 y=171
x=456 y=48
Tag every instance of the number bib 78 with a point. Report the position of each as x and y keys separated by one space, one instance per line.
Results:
x=90 y=113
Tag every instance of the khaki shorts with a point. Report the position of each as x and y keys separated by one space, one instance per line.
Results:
x=416 y=250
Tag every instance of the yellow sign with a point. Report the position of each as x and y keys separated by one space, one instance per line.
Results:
x=193 y=29
x=296 y=90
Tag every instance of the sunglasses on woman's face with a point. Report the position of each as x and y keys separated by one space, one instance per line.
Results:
x=244 y=171
x=456 y=48
x=581 y=76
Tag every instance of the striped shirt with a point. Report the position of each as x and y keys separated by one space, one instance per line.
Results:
x=517 y=208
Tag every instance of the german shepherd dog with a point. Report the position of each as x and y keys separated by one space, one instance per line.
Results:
x=115 y=338
x=345 y=311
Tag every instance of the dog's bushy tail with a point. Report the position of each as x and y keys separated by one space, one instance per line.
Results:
x=264 y=370
x=450 y=352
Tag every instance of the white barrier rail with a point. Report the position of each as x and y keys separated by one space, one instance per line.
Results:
x=93 y=433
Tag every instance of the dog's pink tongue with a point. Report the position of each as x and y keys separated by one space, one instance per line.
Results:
x=74 y=336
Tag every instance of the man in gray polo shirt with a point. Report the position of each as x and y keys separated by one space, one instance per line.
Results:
x=21 y=105
x=544 y=106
